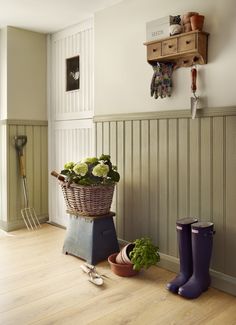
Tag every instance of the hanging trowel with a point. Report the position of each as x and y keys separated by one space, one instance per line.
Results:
x=194 y=99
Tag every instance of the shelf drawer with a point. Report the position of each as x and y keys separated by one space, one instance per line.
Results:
x=187 y=43
x=169 y=47
x=154 y=51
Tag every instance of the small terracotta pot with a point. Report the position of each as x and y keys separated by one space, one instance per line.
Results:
x=186 y=17
x=187 y=27
x=121 y=269
x=197 y=22
x=123 y=255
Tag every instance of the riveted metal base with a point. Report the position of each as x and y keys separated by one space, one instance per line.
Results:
x=91 y=238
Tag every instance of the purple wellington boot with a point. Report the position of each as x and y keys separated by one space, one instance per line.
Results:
x=183 y=227
x=202 y=240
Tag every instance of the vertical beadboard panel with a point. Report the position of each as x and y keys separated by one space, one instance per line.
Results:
x=173 y=185
x=29 y=162
x=106 y=138
x=99 y=139
x=194 y=167
x=163 y=186
x=128 y=176
x=230 y=203
x=44 y=168
x=154 y=181
x=73 y=142
x=113 y=143
x=121 y=185
x=218 y=190
x=36 y=168
x=171 y=168
x=206 y=176
x=113 y=153
x=4 y=170
x=183 y=168
x=20 y=129
x=145 y=190
x=71 y=134
x=66 y=44
x=14 y=189
x=37 y=198
x=136 y=154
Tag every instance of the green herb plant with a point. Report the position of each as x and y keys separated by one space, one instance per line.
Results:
x=144 y=254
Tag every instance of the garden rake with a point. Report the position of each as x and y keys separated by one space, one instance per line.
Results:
x=28 y=214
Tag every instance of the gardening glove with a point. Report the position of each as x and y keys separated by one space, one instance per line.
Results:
x=161 y=84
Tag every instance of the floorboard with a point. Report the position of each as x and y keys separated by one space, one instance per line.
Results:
x=39 y=285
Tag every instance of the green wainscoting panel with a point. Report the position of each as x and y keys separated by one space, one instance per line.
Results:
x=171 y=167
x=36 y=166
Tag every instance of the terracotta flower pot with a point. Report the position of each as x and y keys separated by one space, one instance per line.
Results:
x=187 y=27
x=197 y=22
x=123 y=255
x=121 y=269
x=186 y=17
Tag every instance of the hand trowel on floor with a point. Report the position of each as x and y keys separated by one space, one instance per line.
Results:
x=194 y=99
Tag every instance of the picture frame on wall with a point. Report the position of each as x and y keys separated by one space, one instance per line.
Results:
x=72 y=73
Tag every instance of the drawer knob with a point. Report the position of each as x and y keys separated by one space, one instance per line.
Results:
x=170 y=46
x=154 y=50
x=188 y=42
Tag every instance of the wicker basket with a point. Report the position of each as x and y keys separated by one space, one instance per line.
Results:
x=88 y=200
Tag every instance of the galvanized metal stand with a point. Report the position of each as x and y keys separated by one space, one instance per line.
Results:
x=91 y=238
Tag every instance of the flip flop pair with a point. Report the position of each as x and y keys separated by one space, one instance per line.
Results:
x=94 y=277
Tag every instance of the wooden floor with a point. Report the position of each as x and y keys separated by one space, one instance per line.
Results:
x=39 y=285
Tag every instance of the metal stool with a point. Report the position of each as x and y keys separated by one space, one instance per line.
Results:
x=91 y=238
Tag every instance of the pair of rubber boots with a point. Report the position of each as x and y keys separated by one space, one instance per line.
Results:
x=195 y=241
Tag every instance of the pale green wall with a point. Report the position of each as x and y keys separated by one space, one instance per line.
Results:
x=26 y=74
x=3 y=73
x=23 y=63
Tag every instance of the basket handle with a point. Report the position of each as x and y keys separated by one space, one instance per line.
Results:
x=58 y=176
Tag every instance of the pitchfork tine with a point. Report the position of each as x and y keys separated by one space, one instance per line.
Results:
x=26 y=217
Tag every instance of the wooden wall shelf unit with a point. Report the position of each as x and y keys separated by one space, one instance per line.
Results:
x=183 y=49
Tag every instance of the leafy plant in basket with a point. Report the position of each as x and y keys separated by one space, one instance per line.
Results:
x=88 y=185
x=91 y=171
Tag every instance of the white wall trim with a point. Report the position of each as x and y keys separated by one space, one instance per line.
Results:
x=206 y=112
x=87 y=24
x=71 y=128
x=74 y=124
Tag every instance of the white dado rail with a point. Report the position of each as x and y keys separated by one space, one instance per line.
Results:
x=172 y=166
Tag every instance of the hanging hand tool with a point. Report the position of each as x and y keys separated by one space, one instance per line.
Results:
x=195 y=98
